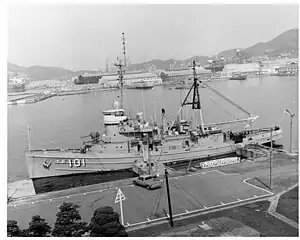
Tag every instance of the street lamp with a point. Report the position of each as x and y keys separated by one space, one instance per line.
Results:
x=291 y=126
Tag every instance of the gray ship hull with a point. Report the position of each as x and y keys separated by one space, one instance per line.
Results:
x=49 y=163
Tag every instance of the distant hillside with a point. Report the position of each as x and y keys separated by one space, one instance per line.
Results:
x=163 y=65
x=15 y=68
x=38 y=73
x=285 y=42
x=44 y=73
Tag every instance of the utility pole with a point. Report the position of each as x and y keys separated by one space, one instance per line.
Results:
x=169 y=199
x=271 y=156
x=149 y=154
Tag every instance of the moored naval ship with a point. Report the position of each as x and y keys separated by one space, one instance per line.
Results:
x=215 y=65
x=120 y=146
x=16 y=84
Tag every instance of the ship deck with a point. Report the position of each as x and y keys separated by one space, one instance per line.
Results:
x=199 y=192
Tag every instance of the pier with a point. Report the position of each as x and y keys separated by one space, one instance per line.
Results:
x=197 y=193
x=29 y=98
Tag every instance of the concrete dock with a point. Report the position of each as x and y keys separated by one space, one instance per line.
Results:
x=199 y=191
x=29 y=98
x=202 y=191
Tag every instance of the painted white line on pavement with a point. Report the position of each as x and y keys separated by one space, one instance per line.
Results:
x=247 y=179
x=202 y=210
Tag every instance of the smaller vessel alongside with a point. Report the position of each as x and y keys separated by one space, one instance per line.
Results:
x=238 y=76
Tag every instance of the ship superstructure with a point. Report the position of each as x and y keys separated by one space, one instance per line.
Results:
x=16 y=84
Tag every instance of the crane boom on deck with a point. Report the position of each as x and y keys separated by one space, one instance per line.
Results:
x=227 y=99
x=196 y=103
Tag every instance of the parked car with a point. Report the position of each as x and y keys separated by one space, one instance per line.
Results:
x=148 y=181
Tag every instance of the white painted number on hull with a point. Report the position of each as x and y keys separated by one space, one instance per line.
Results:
x=77 y=162
x=72 y=162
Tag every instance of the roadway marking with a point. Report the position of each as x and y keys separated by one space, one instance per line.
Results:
x=227 y=174
x=63 y=197
x=238 y=201
x=247 y=179
x=128 y=224
x=148 y=220
x=210 y=171
x=80 y=194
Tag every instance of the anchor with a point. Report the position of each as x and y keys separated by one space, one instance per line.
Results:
x=47 y=164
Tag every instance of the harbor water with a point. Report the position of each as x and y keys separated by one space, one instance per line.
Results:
x=59 y=123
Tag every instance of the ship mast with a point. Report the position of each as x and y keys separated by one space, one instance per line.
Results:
x=196 y=96
x=121 y=71
x=196 y=104
x=124 y=48
x=196 y=99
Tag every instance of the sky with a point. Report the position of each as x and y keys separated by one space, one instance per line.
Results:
x=83 y=36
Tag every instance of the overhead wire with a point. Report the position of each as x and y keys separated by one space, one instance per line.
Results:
x=223 y=108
